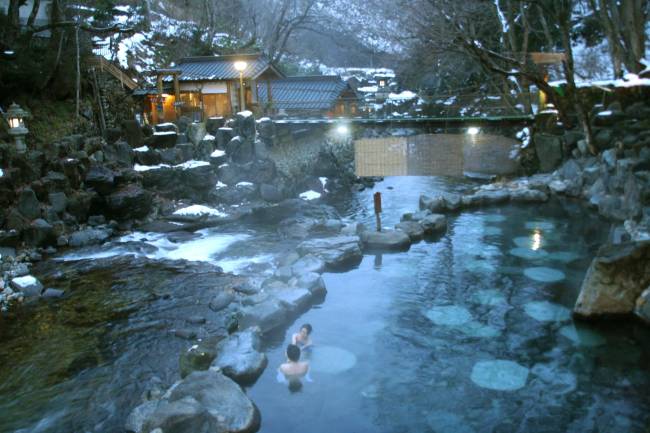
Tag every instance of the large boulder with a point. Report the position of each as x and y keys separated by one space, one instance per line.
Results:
x=616 y=278
x=223 y=136
x=198 y=357
x=268 y=314
x=129 y=202
x=336 y=252
x=28 y=204
x=162 y=139
x=83 y=238
x=642 y=308
x=101 y=179
x=40 y=234
x=549 y=151
x=386 y=240
x=212 y=124
x=203 y=402
x=239 y=356
x=433 y=223
x=241 y=150
x=412 y=228
x=244 y=125
x=196 y=132
x=27 y=285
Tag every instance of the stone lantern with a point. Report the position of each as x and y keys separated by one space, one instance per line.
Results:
x=15 y=116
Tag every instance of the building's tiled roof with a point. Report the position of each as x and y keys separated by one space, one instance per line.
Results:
x=208 y=68
x=318 y=92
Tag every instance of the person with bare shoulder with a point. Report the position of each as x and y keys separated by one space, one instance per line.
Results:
x=302 y=338
x=294 y=368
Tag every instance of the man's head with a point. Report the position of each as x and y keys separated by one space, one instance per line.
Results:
x=293 y=353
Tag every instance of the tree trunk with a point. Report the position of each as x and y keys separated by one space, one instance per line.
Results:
x=34 y=13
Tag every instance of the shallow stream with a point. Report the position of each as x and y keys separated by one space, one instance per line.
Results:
x=467 y=332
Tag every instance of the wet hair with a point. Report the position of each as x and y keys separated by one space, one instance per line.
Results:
x=307 y=326
x=293 y=352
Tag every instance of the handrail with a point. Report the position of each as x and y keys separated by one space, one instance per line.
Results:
x=104 y=64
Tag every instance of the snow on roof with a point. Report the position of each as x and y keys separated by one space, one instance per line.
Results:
x=403 y=96
x=367 y=89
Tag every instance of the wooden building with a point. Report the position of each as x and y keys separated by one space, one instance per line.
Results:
x=202 y=87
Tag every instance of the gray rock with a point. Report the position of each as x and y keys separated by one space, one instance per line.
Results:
x=433 y=223
x=223 y=136
x=486 y=198
x=433 y=204
x=294 y=299
x=129 y=202
x=615 y=280
x=583 y=147
x=603 y=138
x=413 y=229
x=58 y=200
x=28 y=285
x=268 y=314
x=185 y=334
x=239 y=356
x=609 y=158
x=87 y=237
x=195 y=132
x=308 y=263
x=135 y=420
x=28 y=204
x=416 y=216
x=336 y=252
x=271 y=193
x=212 y=124
x=101 y=179
x=642 y=306
x=53 y=293
x=549 y=151
x=181 y=415
x=386 y=240
x=198 y=357
x=528 y=196
x=222 y=300
x=313 y=282
x=40 y=233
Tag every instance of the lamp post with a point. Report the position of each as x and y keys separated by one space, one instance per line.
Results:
x=15 y=116
x=240 y=66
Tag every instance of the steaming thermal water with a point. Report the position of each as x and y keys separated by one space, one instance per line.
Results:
x=457 y=334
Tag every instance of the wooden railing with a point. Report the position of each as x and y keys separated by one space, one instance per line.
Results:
x=105 y=65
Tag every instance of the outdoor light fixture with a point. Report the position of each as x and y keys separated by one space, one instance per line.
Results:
x=343 y=129
x=15 y=118
x=240 y=66
x=473 y=130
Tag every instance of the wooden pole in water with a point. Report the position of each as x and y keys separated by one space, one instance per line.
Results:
x=377 y=199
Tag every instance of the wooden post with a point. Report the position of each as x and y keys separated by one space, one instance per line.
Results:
x=177 y=96
x=377 y=200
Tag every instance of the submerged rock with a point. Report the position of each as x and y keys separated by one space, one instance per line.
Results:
x=500 y=375
x=615 y=280
x=412 y=228
x=449 y=315
x=544 y=275
x=331 y=359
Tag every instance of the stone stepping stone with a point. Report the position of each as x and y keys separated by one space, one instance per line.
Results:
x=479 y=330
x=544 y=275
x=331 y=359
x=564 y=256
x=490 y=297
x=450 y=315
x=545 y=311
x=540 y=225
x=582 y=336
x=499 y=375
x=528 y=254
x=494 y=218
